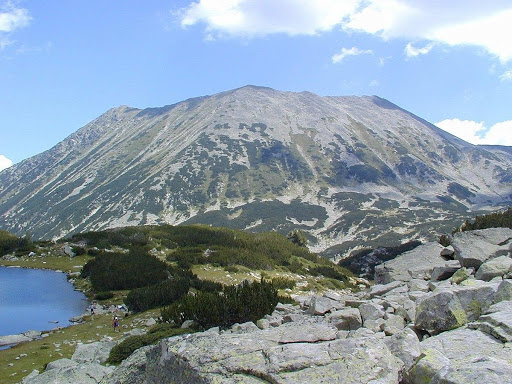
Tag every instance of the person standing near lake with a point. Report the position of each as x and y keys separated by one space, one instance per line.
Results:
x=115 y=323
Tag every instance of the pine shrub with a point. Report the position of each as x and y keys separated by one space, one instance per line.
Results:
x=235 y=304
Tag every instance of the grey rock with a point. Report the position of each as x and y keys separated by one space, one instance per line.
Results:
x=483 y=370
x=150 y=322
x=461 y=275
x=406 y=346
x=60 y=364
x=96 y=352
x=415 y=264
x=446 y=271
x=32 y=374
x=131 y=371
x=380 y=289
x=375 y=325
x=320 y=305
x=244 y=327
x=497 y=322
x=371 y=311
x=447 y=309
x=504 y=292
x=393 y=324
x=68 y=250
x=498 y=266
x=307 y=333
x=347 y=319
x=448 y=252
x=188 y=324
x=249 y=359
x=87 y=373
x=473 y=248
x=429 y=363
x=417 y=285
x=13 y=339
x=263 y=324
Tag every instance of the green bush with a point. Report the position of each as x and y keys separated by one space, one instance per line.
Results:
x=104 y=295
x=115 y=271
x=235 y=304
x=444 y=240
x=332 y=272
x=163 y=293
x=283 y=283
x=10 y=243
x=125 y=348
x=491 y=220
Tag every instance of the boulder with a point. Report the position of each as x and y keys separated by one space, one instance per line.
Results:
x=406 y=346
x=497 y=322
x=320 y=305
x=461 y=356
x=449 y=308
x=371 y=311
x=380 y=289
x=86 y=373
x=482 y=370
x=415 y=264
x=250 y=358
x=446 y=271
x=347 y=319
x=96 y=352
x=498 y=266
x=504 y=292
x=473 y=248
x=461 y=275
x=130 y=371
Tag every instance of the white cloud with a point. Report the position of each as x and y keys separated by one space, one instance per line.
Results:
x=506 y=76
x=485 y=24
x=12 y=18
x=263 y=17
x=4 y=162
x=477 y=133
x=411 y=51
x=354 y=51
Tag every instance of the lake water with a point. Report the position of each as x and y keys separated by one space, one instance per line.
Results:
x=35 y=299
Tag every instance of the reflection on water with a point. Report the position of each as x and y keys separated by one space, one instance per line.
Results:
x=36 y=299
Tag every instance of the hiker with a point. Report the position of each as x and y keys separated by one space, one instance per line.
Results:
x=115 y=323
x=92 y=309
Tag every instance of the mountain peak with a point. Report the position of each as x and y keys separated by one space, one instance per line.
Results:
x=347 y=170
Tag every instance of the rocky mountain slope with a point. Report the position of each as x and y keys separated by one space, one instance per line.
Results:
x=347 y=170
x=439 y=316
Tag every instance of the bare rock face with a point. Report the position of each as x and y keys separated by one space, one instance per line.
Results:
x=353 y=157
x=211 y=358
x=416 y=264
x=473 y=248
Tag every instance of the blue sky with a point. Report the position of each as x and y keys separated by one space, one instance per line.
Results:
x=63 y=63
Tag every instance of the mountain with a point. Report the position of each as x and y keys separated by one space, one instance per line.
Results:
x=350 y=171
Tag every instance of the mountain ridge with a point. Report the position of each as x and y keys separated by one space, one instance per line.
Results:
x=342 y=168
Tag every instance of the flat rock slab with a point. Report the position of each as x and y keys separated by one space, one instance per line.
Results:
x=415 y=264
x=473 y=248
x=263 y=357
x=462 y=356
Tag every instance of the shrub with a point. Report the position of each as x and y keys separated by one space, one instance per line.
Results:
x=283 y=283
x=163 y=293
x=491 y=220
x=115 y=271
x=444 y=240
x=11 y=243
x=104 y=295
x=124 y=349
x=235 y=304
